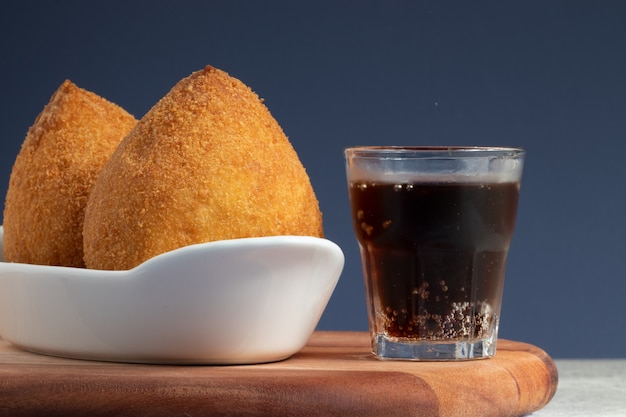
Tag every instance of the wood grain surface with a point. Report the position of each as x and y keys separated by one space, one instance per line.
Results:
x=334 y=375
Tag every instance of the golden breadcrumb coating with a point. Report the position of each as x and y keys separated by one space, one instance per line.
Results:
x=53 y=174
x=208 y=162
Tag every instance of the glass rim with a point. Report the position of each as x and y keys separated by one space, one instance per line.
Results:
x=395 y=151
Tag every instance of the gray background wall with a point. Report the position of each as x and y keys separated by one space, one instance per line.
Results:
x=546 y=75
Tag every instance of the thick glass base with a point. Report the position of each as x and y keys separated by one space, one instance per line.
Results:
x=387 y=348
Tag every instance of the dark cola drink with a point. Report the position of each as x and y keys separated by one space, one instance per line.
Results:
x=434 y=255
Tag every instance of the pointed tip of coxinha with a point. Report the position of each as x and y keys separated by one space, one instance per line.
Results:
x=208 y=162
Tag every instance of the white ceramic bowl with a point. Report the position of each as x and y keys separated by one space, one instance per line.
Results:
x=230 y=302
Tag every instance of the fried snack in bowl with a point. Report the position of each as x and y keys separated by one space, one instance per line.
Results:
x=208 y=162
x=54 y=172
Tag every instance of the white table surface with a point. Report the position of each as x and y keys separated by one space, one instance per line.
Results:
x=589 y=388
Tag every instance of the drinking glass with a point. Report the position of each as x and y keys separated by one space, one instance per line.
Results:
x=434 y=226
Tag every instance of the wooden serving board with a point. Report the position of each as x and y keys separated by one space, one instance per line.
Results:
x=334 y=375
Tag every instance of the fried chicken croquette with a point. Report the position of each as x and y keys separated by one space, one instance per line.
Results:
x=208 y=162
x=53 y=174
